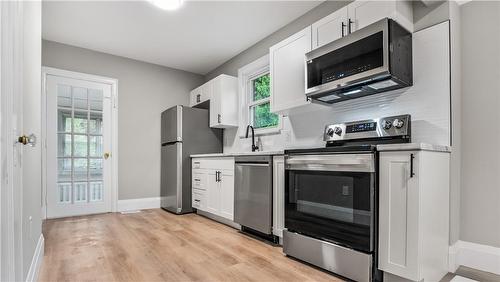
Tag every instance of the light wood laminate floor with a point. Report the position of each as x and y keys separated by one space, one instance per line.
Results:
x=154 y=245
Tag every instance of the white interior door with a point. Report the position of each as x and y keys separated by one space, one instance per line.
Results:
x=78 y=147
x=11 y=89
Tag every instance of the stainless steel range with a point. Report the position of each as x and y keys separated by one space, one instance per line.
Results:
x=331 y=197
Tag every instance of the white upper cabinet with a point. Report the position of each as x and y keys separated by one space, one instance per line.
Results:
x=286 y=66
x=224 y=101
x=195 y=97
x=358 y=15
x=222 y=92
x=330 y=28
x=364 y=13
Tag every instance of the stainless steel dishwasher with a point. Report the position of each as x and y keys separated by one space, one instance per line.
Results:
x=253 y=195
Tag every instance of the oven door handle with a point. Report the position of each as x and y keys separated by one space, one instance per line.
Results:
x=333 y=167
x=351 y=162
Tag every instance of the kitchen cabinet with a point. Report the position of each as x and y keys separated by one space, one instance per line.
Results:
x=330 y=28
x=226 y=190
x=213 y=186
x=200 y=94
x=278 y=195
x=222 y=92
x=357 y=15
x=364 y=13
x=414 y=214
x=287 y=72
x=224 y=101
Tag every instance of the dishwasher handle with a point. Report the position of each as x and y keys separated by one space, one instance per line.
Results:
x=253 y=164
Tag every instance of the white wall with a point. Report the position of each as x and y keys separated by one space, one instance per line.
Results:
x=144 y=91
x=480 y=195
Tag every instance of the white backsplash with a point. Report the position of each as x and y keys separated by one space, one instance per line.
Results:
x=427 y=101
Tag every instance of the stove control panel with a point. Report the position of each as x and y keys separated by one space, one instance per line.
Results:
x=386 y=127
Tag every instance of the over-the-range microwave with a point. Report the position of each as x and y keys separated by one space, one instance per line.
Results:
x=374 y=59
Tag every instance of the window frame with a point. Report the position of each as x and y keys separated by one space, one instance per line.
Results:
x=246 y=75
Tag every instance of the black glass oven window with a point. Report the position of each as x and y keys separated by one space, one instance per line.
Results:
x=360 y=56
x=333 y=206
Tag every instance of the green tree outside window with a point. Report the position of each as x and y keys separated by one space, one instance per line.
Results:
x=261 y=114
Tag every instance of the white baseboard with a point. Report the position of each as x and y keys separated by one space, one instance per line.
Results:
x=138 y=204
x=477 y=256
x=36 y=262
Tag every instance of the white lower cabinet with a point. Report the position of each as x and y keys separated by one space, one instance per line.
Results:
x=226 y=190
x=213 y=192
x=414 y=215
x=213 y=186
x=278 y=195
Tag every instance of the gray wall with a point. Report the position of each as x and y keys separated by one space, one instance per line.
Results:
x=480 y=198
x=144 y=91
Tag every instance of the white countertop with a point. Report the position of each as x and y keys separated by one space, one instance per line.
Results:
x=384 y=147
x=233 y=154
x=414 y=146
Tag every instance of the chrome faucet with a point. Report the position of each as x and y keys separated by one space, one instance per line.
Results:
x=254 y=147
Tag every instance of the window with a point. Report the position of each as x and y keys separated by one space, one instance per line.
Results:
x=255 y=93
x=260 y=106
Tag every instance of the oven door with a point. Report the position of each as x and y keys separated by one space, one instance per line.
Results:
x=331 y=197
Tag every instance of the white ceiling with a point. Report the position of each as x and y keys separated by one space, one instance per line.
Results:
x=198 y=37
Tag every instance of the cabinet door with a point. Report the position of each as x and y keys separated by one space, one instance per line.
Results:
x=287 y=68
x=399 y=214
x=213 y=193
x=226 y=187
x=329 y=28
x=224 y=102
x=278 y=195
x=364 y=13
x=215 y=107
x=195 y=96
x=206 y=91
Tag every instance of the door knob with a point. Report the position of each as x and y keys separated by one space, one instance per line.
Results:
x=29 y=140
x=106 y=155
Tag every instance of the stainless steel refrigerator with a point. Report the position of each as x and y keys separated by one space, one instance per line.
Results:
x=184 y=131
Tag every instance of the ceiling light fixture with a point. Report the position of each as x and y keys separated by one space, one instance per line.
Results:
x=167 y=4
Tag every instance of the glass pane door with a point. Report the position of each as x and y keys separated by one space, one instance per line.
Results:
x=79 y=144
x=335 y=206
